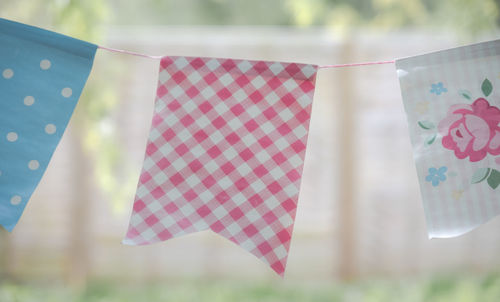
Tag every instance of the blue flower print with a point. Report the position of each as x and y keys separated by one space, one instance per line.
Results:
x=438 y=88
x=436 y=175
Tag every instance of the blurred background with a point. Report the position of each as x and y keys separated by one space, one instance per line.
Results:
x=360 y=232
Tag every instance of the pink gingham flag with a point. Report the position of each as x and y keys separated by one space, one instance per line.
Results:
x=225 y=153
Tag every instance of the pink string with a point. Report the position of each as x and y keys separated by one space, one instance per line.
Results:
x=322 y=66
x=130 y=53
x=357 y=64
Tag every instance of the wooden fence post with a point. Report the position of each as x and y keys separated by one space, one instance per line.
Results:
x=78 y=249
x=346 y=168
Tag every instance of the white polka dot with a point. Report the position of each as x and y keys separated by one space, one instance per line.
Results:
x=29 y=100
x=66 y=92
x=45 y=64
x=12 y=136
x=33 y=164
x=7 y=73
x=15 y=200
x=50 y=128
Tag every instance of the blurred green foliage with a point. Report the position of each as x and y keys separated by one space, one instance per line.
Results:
x=457 y=289
x=85 y=18
x=460 y=16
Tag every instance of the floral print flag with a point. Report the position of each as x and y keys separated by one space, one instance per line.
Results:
x=42 y=74
x=225 y=153
x=452 y=101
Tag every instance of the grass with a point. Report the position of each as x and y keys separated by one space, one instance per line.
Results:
x=456 y=289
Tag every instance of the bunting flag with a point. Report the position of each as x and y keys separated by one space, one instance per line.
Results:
x=42 y=74
x=452 y=103
x=225 y=153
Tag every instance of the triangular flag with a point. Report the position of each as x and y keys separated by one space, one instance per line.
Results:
x=42 y=75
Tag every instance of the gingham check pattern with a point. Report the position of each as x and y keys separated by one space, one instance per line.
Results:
x=225 y=152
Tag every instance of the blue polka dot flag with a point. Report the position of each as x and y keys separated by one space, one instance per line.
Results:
x=42 y=75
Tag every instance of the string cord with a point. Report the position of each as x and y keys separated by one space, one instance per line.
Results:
x=130 y=53
x=321 y=67
x=358 y=64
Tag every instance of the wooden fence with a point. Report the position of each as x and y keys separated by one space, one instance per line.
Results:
x=359 y=213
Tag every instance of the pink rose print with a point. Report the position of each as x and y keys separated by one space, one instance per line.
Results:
x=472 y=130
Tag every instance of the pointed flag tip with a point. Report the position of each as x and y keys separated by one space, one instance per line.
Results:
x=7 y=227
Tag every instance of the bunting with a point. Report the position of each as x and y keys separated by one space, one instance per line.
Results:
x=453 y=111
x=228 y=138
x=225 y=153
x=42 y=75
